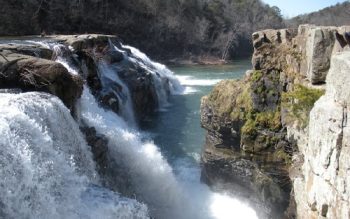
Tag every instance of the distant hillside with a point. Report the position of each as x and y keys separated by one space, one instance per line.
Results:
x=164 y=29
x=336 y=15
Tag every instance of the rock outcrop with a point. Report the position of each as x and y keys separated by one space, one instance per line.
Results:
x=30 y=66
x=322 y=189
x=96 y=51
x=256 y=127
x=29 y=73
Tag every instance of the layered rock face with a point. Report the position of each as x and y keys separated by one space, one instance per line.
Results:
x=257 y=127
x=322 y=190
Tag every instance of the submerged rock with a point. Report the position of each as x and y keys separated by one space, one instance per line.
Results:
x=99 y=147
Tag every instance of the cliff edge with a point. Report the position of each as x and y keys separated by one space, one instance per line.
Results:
x=261 y=138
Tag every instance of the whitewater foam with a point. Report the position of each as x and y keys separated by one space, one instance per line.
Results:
x=46 y=167
x=151 y=176
x=165 y=80
x=187 y=80
x=108 y=75
x=152 y=179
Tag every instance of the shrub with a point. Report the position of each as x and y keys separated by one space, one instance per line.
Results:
x=299 y=103
x=270 y=120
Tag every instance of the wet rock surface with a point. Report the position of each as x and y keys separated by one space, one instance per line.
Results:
x=92 y=50
x=28 y=64
x=98 y=144
x=36 y=74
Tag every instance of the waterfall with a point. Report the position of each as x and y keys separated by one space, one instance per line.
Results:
x=55 y=174
x=108 y=76
x=46 y=168
x=151 y=176
x=164 y=79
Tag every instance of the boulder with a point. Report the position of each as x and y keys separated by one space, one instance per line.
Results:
x=85 y=41
x=319 y=48
x=34 y=50
x=35 y=74
x=98 y=144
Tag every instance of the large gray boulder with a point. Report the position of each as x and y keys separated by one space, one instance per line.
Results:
x=316 y=46
x=319 y=49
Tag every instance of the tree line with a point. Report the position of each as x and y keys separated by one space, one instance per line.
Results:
x=163 y=28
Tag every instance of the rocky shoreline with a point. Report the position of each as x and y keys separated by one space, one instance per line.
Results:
x=261 y=135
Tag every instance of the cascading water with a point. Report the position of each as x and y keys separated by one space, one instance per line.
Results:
x=152 y=178
x=164 y=79
x=46 y=168
x=73 y=191
x=109 y=75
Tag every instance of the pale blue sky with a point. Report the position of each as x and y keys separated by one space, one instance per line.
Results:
x=292 y=8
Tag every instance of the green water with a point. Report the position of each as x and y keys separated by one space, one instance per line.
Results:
x=177 y=131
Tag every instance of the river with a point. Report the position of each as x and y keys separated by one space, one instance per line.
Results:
x=176 y=130
x=161 y=159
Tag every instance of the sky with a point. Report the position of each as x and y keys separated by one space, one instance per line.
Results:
x=291 y=8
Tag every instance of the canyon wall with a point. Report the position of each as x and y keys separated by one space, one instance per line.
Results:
x=322 y=188
x=261 y=135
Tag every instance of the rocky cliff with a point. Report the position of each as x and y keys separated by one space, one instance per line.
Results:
x=260 y=133
x=321 y=190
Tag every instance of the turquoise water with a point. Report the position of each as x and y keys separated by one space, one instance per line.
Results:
x=178 y=134
x=177 y=131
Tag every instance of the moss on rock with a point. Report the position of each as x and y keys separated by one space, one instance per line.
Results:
x=231 y=99
x=298 y=104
